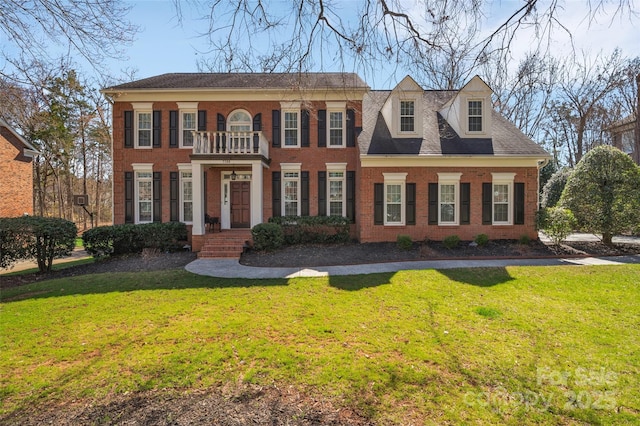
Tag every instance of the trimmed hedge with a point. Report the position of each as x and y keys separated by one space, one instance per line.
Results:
x=129 y=238
x=313 y=229
x=267 y=236
x=34 y=237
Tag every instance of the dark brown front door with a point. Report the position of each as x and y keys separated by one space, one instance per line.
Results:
x=240 y=205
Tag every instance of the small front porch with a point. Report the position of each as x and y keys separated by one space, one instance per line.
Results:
x=227 y=169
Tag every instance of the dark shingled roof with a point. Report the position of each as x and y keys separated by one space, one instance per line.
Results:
x=245 y=81
x=439 y=139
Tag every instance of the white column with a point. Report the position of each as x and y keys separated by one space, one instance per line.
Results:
x=256 y=193
x=198 y=199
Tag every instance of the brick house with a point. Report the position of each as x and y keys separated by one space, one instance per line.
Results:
x=16 y=173
x=625 y=133
x=245 y=147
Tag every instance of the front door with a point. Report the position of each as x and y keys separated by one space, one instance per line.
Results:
x=240 y=205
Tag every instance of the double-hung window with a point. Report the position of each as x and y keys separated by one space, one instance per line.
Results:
x=474 y=116
x=186 y=196
x=336 y=123
x=407 y=116
x=502 y=198
x=336 y=174
x=291 y=189
x=291 y=128
x=394 y=200
x=188 y=122
x=143 y=124
x=143 y=192
x=336 y=128
x=448 y=198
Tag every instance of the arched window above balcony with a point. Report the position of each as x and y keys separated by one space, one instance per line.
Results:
x=239 y=121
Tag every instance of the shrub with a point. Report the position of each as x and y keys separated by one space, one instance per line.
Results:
x=603 y=192
x=267 y=236
x=481 y=239
x=524 y=240
x=129 y=238
x=552 y=190
x=451 y=241
x=163 y=236
x=33 y=237
x=404 y=242
x=557 y=223
x=313 y=229
x=98 y=241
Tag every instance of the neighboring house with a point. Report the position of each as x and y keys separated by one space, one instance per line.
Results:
x=623 y=134
x=246 y=147
x=16 y=173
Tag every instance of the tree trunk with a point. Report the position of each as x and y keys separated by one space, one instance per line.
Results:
x=606 y=238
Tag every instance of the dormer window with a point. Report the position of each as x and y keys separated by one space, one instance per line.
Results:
x=407 y=116
x=475 y=116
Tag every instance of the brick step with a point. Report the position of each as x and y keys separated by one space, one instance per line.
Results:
x=226 y=244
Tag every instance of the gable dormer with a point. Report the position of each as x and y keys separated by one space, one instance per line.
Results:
x=402 y=111
x=469 y=111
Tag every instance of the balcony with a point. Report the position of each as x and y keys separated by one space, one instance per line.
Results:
x=230 y=143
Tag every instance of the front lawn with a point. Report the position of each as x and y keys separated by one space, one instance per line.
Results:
x=517 y=345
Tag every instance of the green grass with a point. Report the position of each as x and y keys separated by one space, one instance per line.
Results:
x=517 y=345
x=54 y=267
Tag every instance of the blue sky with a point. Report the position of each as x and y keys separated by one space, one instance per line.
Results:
x=163 y=45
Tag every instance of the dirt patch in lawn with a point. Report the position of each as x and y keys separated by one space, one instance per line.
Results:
x=246 y=405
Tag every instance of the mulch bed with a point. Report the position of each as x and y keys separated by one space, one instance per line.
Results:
x=353 y=253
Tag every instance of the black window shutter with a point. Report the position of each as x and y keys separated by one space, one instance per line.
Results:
x=173 y=197
x=221 y=123
x=433 y=203
x=157 y=126
x=487 y=209
x=304 y=128
x=275 y=128
x=378 y=203
x=128 y=129
x=202 y=120
x=465 y=203
x=128 y=197
x=275 y=194
x=322 y=193
x=351 y=196
x=257 y=122
x=410 y=213
x=205 y=191
x=322 y=128
x=351 y=127
x=157 y=196
x=304 y=193
x=518 y=203
x=173 y=129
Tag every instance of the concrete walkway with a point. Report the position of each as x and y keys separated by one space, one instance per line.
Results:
x=229 y=268
x=225 y=268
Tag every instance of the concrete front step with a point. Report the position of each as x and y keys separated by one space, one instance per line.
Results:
x=225 y=244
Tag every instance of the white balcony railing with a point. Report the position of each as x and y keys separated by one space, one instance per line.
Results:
x=230 y=143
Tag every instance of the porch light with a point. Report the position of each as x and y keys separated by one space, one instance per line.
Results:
x=234 y=176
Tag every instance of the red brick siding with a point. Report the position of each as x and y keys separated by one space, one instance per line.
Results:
x=164 y=159
x=16 y=177
x=421 y=230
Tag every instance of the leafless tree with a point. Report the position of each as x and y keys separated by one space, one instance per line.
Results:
x=264 y=35
x=47 y=29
